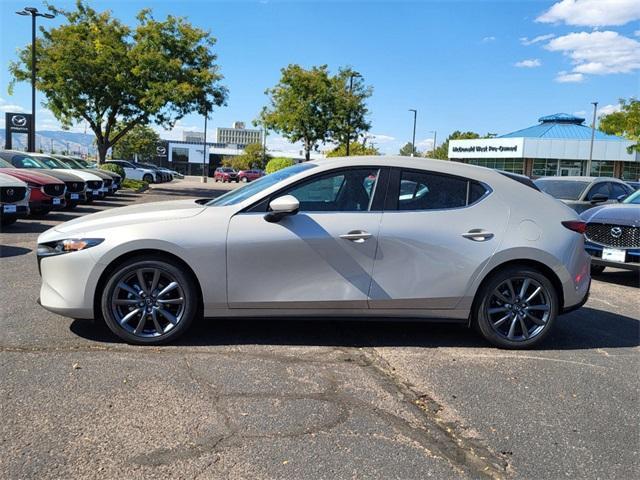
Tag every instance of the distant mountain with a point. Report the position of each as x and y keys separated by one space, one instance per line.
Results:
x=57 y=141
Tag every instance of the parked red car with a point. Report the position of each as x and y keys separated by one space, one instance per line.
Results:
x=249 y=175
x=47 y=192
x=225 y=174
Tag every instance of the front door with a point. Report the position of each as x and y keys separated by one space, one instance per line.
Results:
x=435 y=238
x=321 y=257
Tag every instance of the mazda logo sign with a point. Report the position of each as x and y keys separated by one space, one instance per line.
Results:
x=616 y=232
x=10 y=192
x=19 y=121
x=74 y=185
x=161 y=150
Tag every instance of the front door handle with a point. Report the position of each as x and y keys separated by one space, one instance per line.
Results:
x=478 y=235
x=356 y=236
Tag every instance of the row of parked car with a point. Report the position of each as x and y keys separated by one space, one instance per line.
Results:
x=610 y=209
x=35 y=184
x=229 y=174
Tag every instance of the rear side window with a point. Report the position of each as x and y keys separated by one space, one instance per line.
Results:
x=433 y=191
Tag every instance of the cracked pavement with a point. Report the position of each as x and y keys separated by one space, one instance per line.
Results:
x=311 y=399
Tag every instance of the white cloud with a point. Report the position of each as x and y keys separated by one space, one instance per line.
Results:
x=598 y=53
x=539 y=38
x=580 y=113
x=565 y=77
x=488 y=39
x=379 y=138
x=637 y=33
x=608 y=109
x=426 y=144
x=7 y=107
x=530 y=63
x=592 y=13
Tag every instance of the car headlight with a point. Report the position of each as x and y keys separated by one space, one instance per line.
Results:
x=68 y=245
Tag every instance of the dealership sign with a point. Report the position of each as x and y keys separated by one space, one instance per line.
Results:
x=487 y=148
x=17 y=123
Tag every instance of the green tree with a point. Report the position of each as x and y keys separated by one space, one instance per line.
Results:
x=625 y=123
x=349 y=111
x=407 y=150
x=355 y=149
x=278 y=163
x=251 y=157
x=442 y=152
x=95 y=68
x=301 y=106
x=141 y=140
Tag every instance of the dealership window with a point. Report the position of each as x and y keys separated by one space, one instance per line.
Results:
x=601 y=169
x=514 y=165
x=569 y=168
x=545 y=167
x=179 y=154
x=631 y=171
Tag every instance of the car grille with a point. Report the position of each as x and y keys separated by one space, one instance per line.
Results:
x=75 y=187
x=620 y=236
x=12 y=194
x=54 y=189
x=107 y=182
x=94 y=184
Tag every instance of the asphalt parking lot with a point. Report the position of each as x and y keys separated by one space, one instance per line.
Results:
x=319 y=399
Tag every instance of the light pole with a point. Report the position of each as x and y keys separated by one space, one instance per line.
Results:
x=204 y=149
x=593 y=134
x=31 y=147
x=413 y=142
x=351 y=77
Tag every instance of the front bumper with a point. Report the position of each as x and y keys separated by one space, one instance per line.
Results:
x=632 y=257
x=21 y=211
x=47 y=204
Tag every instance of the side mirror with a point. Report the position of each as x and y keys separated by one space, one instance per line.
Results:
x=281 y=207
x=599 y=198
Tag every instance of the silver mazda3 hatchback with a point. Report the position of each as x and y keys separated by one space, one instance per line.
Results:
x=369 y=237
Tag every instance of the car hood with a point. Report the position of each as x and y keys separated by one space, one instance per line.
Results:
x=617 y=214
x=131 y=215
x=86 y=176
x=30 y=176
x=9 y=181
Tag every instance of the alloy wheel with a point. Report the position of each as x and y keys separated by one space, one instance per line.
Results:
x=148 y=302
x=519 y=308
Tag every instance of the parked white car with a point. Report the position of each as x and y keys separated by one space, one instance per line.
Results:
x=385 y=237
x=136 y=173
x=14 y=199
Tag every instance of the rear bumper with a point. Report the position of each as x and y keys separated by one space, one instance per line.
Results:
x=571 y=308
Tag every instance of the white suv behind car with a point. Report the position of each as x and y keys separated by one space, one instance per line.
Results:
x=136 y=173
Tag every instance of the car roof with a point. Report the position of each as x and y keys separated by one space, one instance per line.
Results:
x=576 y=178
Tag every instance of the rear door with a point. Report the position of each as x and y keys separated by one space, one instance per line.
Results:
x=437 y=233
x=320 y=258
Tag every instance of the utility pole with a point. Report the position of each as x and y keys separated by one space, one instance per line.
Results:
x=351 y=77
x=413 y=142
x=31 y=141
x=593 y=135
x=204 y=148
x=433 y=148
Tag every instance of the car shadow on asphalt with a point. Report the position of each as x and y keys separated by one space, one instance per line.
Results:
x=620 y=277
x=586 y=328
x=7 y=251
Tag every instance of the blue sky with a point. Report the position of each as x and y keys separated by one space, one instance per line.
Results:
x=455 y=62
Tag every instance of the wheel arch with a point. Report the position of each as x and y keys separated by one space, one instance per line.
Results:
x=116 y=262
x=535 y=264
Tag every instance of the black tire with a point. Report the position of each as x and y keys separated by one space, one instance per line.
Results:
x=494 y=331
x=597 y=269
x=173 y=270
x=6 y=221
x=245 y=179
x=147 y=177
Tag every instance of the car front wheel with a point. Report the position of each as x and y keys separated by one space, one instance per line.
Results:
x=147 y=178
x=149 y=301
x=516 y=307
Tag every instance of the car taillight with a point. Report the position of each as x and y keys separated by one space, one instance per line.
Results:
x=576 y=226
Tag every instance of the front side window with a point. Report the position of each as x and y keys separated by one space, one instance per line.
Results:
x=599 y=189
x=432 y=191
x=341 y=191
x=618 y=190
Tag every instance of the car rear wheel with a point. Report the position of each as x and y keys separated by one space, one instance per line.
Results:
x=147 y=177
x=516 y=307
x=245 y=179
x=149 y=301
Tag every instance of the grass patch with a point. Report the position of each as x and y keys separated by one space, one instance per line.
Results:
x=135 y=185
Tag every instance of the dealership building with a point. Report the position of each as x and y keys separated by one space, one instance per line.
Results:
x=559 y=145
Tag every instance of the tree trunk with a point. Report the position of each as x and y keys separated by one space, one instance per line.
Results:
x=102 y=153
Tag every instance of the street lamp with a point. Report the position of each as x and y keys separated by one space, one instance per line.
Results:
x=34 y=13
x=413 y=143
x=351 y=77
x=204 y=148
x=593 y=134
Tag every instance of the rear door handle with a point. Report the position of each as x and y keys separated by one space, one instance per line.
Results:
x=356 y=236
x=478 y=235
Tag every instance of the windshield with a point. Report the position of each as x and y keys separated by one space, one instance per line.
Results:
x=562 y=189
x=52 y=162
x=70 y=162
x=250 y=189
x=634 y=198
x=5 y=164
x=23 y=161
